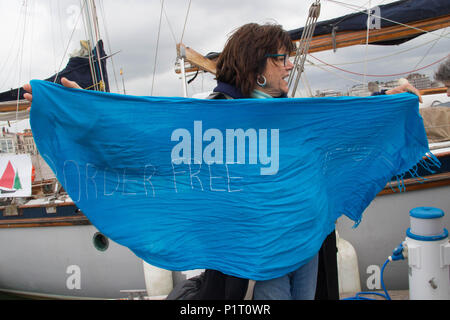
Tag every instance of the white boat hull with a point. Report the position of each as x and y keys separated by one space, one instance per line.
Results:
x=63 y=262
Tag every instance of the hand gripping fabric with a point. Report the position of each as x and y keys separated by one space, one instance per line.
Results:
x=248 y=187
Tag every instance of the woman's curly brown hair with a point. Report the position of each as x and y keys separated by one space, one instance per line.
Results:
x=244 y=55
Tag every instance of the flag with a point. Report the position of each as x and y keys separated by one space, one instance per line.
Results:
x=15 y=175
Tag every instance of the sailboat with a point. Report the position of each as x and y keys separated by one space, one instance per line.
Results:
x=49 y=249
x=83 y=263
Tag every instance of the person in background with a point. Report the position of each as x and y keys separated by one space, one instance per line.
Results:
x=404 y=86
x=443 y=75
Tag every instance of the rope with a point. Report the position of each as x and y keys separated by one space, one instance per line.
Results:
x=61 y=37
x=389 y=55
x=68 y=43
x=102 y=10
x=88 y=34
x=429 y=49
x=157 y=46
x=381 y=75
x=335 y=73
x=21 y=57
x=97 y=39
x=303 y=47
x=185 y=20
x=32 y=22
x=385 y=295
x=367 y=41
x=170 y=27
x=52 y=28
x=100 y=84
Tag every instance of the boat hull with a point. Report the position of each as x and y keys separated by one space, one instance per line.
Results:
x=66 y=262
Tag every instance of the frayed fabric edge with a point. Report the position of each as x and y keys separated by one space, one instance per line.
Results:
x=427 y=163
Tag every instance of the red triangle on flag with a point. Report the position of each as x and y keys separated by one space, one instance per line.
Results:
x=7 y=179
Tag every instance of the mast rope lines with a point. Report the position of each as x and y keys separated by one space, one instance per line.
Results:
x=93 y=33
x=21 y=60
x=434 y=41
x=381 y=75
x=108 y=42
x=68 y=42
x=303 y=47
x=157 y=47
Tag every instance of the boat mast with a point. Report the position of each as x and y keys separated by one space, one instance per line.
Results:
x=181 y=57
x=123 y=82
x=93 y=33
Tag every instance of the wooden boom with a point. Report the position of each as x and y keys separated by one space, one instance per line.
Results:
x=341 y=39
x=10 y=106
x=351 y=38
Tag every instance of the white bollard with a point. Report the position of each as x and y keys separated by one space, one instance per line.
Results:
x=428 y=255
x=158 y=282
x=347 y=263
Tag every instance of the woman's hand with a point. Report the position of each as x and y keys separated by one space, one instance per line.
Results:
x=66 y=83
x=405 y=87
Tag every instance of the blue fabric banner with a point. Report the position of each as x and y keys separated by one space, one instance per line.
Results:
x=248 y=187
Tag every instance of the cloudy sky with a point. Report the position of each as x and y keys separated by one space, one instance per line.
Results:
x=37 y=36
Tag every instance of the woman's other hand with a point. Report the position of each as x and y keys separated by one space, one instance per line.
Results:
x=65 y=82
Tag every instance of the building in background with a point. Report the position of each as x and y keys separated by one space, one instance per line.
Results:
x=25 y=142
x=419 y=81
x=8 y=142
x=359 y=90
x=328 y=93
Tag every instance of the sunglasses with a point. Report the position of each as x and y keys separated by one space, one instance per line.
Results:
x=281 y=57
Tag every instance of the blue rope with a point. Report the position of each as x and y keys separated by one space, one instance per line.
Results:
x=385 y=295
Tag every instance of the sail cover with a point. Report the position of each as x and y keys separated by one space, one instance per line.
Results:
x=77 y=69
x=249 y=187
x=404 y=12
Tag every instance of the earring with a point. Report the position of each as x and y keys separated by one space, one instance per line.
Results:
x=262 y=84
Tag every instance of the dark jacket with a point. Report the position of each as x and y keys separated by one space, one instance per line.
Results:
x=379 y=93
x=225 y=91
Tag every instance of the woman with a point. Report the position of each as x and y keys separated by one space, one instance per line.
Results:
x=255 y=64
